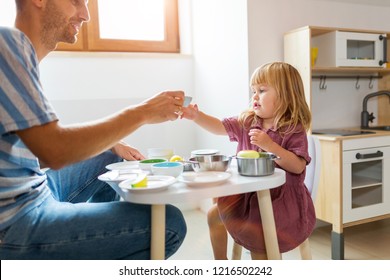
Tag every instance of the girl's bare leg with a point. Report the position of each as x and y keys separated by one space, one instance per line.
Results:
x=218 y=234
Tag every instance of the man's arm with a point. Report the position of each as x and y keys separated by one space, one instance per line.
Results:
x=57 y=146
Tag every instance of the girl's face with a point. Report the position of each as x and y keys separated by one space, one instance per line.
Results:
x=263 y=102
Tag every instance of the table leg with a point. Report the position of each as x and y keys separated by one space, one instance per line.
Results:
x=157 y=247
x=267 y=217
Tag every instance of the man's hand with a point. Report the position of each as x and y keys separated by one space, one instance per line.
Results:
x=127 y=152
x=166 y=105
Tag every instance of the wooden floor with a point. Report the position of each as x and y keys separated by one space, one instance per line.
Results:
x=369 y=241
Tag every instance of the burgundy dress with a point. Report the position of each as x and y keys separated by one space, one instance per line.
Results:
x=292 y=205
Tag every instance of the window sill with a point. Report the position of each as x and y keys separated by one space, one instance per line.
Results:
x=136 y=55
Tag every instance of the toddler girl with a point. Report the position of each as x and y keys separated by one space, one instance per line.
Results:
x=276 y=122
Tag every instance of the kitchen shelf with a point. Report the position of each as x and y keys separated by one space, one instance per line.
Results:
x=366 y=197
x=319 y=30
x=352 y=70
x=297 y=52
x=364 y=182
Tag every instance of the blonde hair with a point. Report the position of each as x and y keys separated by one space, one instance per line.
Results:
x=291 y=108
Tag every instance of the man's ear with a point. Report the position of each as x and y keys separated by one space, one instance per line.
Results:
x=39 y=3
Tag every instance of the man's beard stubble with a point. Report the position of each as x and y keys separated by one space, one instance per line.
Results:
x=54 y=27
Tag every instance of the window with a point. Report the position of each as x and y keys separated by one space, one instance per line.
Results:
x=129 y=26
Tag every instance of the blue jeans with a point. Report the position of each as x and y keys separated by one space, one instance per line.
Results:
x=66 y=226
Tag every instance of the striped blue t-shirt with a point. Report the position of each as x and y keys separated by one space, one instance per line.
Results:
x=22 y=105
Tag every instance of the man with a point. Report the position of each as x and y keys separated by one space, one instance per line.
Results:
x=45 y=215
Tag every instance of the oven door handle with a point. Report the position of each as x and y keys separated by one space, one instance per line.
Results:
x=384 y=39
x=373 y=155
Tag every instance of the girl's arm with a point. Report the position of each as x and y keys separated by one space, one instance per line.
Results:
x=210 y=123
x=288 y=160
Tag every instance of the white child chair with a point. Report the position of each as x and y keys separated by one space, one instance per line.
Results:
x=312 y=180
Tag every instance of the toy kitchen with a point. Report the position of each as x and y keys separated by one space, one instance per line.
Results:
x=347 y=86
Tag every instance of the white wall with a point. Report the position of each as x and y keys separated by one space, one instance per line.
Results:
x=220 y=44
x=84 y=87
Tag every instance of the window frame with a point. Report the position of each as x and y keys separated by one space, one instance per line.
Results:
x=89 y=38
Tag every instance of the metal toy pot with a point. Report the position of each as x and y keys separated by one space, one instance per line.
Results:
x=262 y=166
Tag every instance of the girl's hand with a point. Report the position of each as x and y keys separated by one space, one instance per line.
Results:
x=127 y=152
x=288 y=160
x=260 y=139
x=191 y=112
